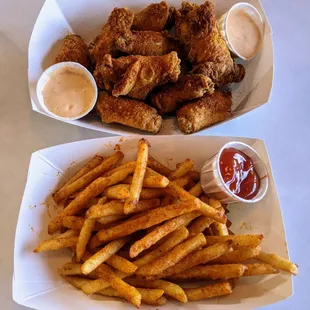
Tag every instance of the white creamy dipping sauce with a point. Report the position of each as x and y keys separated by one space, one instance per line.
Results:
x=243 y=33
x=68 y=92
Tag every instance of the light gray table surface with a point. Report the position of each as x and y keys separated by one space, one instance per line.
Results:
x=283 y=123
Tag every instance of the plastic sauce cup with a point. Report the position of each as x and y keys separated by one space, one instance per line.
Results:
x=56 y=67
x=212 y=181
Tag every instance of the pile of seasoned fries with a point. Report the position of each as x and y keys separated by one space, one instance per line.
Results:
x=138 y=231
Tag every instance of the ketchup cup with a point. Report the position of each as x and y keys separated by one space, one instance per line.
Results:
x=213 y=183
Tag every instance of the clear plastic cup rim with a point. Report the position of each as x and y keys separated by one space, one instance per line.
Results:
x=262 y=193
x=261 y=27
x=45 y=77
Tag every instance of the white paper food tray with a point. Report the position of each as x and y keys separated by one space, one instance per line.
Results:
x=36 y=283
x=86 y=18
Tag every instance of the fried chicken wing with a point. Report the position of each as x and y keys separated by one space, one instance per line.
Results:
x=136 y=76
x=130 y=112
x=197 y=30
x=188 y=87
x=204 y=112
x=120 y=21
x=153 y=17
x=74 y=49
x=146 y=43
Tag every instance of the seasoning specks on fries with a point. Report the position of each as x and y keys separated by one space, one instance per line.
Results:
x=138 y=234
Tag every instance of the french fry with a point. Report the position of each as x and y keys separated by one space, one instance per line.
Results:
x=67 y=234
x=160 y=232
x=56 y=244
x=87 y=178
x=84 y=237
x=181 y=194
x=151 y=218
x=138 y=176
x=74 y=269
x=170 y=289
x=91 y=191
x=202 y=256
x=204 y=198
x=174 y=239
x=102 y=255
x=76 y=223
x=239 y=241
x=208 y=291
x=200 y=225
x=77 y=282
x=158 y=167
x=131 y=165
x=110 y=219
x=159 y=302
x=196 y=190
x=213 y=272
x=182 y=181
x=278 y=262
x=94 y=162
x=121 y=264
x=256 y=269
x=166 y=201
x=182 y=170
x=238 y=256
x=154 y=181
x=125 y=290
x=172 y=257
x=102 y=200
x=119 y=191
x=194 y=175
x=214 y=203
x=148 y=296
x=220 y=229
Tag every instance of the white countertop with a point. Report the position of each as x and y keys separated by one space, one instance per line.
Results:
x=284 y=124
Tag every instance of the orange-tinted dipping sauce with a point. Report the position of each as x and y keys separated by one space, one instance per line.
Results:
x=238 y=173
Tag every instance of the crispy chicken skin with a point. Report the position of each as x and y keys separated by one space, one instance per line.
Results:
x=197 y=30
x=188 y=87
x=74 y=49
x=146 y=43
x=153 y=17
x=136 y=76
x=204 y=112
x=120 y=21
x=129 y=112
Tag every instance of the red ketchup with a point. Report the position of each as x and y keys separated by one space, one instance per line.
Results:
x=238 y=173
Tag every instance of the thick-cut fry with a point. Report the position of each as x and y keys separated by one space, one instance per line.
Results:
x=102 y=200
x=77 y=282
x=239 y=241
x=84 y=237
x=278 y=262
x=94 y=162
x=121 y=264
x=170 y=289
x=154 y=181
x=174 y=239
x=102 y=255
x=256 y=269
x=213 y=272
x=196 y=190
x=172 y=257
x=138 y=176
x=91 y=191
x=237 y=256
x=202 y=256
x=87 y=178
x=56 y=244
x=220 y=229
x=182 y=181
x=148 y=296
x=160 y=232
x=200 y=225
x=130 y=164
x=119 y=191
x=182 y=170
x=74 y=269
x=214 y=203
x=208 y=291
x=181 y=194
x=158 y=167
x=151 y=218
x=125 y=290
